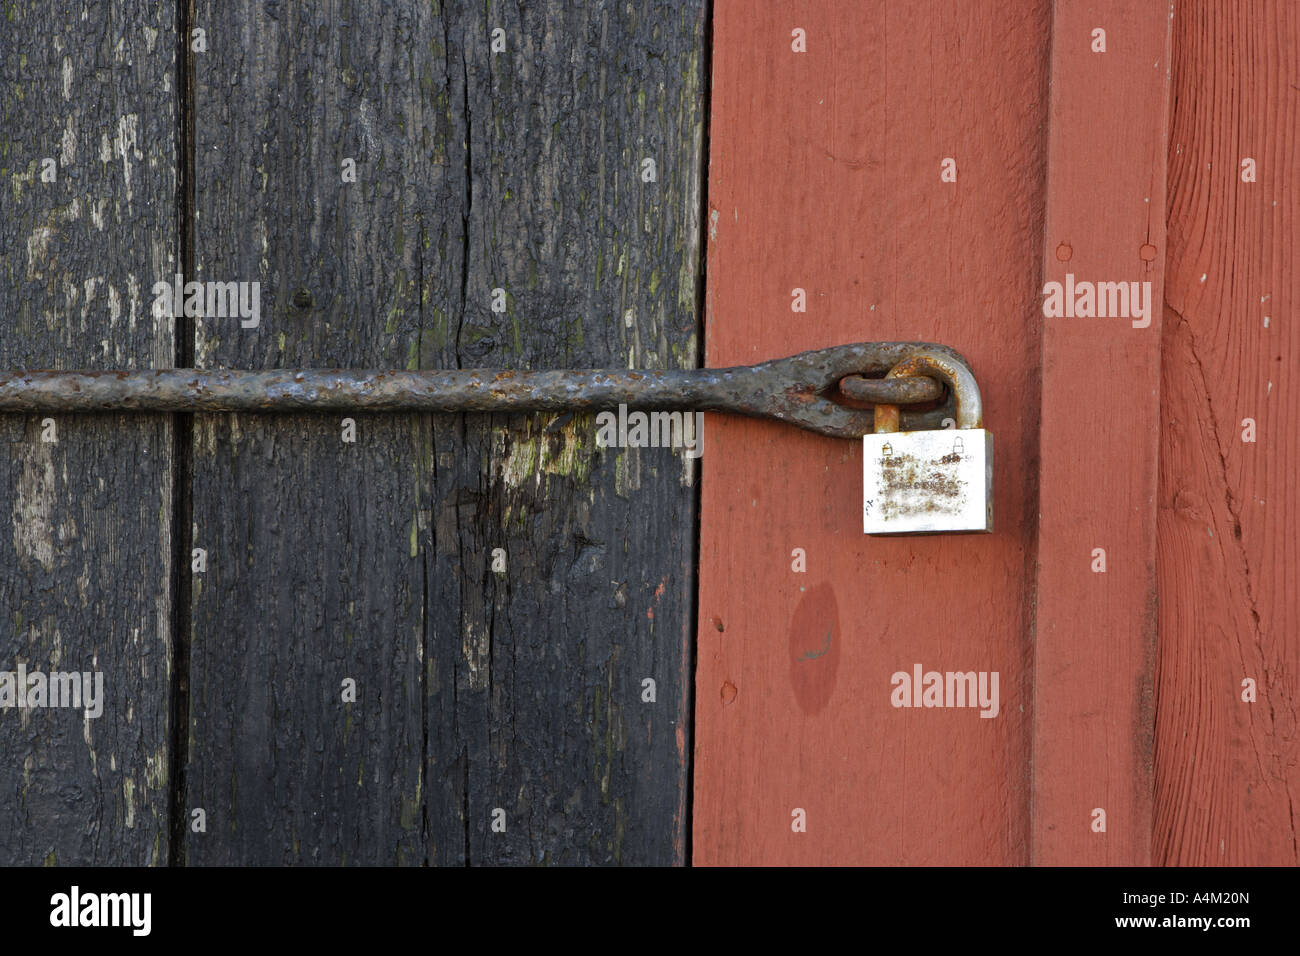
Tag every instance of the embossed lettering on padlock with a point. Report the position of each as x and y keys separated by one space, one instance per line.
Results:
x=929 y=482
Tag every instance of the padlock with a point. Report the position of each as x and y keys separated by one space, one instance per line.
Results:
x=929 y=482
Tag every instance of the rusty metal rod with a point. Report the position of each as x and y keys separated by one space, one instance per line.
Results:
x=903 y=390
x=800 y=390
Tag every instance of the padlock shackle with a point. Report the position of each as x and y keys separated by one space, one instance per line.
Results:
x=937 y=364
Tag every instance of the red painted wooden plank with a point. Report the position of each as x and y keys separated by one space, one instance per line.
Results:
x=1228 y=769
x=825 y=176
x=1095 y=634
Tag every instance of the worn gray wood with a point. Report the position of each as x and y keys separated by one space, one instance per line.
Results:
x=85 y=524
x=372 y=561
x=539 y=670
x=313 y=577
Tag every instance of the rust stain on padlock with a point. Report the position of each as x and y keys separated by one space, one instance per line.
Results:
x=814 y=648
x=912 y=485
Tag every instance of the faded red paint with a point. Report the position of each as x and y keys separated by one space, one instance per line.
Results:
x=1095 y=634
x=825 y=175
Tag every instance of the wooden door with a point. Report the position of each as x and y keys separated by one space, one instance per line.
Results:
x=403 y=639
x=902 y=171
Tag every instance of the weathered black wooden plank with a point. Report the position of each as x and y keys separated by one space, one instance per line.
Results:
x=476 y=170
x=309 y=583
x=85 y=548
x=539 y=670
x=314 y=572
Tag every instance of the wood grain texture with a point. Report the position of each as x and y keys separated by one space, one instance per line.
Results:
x=825 y=175
x=521 y=690
x=311 y=576
x=85 y=553
x=1095 y=636
x=539 y=671
x=1227 y=771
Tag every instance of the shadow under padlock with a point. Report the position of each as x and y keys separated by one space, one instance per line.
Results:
x=929 y=482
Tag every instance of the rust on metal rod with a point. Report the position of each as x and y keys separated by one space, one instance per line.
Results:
x=914 y=389
x=801 y=390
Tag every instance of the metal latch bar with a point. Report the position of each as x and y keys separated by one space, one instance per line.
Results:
x=808 y=390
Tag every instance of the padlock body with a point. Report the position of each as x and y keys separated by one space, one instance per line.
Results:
x=927 y=482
